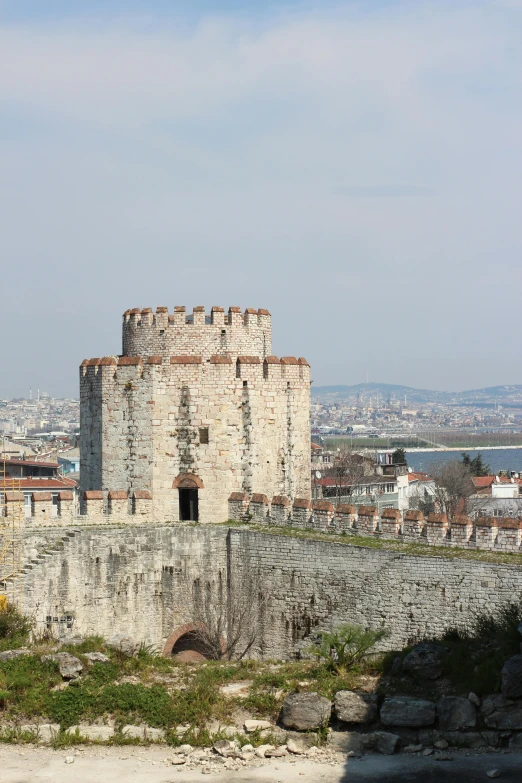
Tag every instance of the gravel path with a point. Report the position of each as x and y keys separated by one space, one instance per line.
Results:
x=21 y=764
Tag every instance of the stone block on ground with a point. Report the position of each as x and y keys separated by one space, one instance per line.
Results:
x=407 y=711
x=466 y=739
x=506 y=718
x=424 y=662
x=512 y=678
x=305 y=711
x=456 y=712
x=100 y=733
x=69 y=666
x=45 y=732
x=385 y=742
x=8 y=655
x=134 y=732
x=352 y=707
x=154 y=735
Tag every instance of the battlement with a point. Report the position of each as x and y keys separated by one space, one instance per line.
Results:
x=178 y=333
x=486 y=533
x=255 y=368
x=96 y=507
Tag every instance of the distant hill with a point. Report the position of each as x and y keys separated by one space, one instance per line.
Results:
x=505 y=395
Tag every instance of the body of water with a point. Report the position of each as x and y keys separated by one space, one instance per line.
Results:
x=497 y=459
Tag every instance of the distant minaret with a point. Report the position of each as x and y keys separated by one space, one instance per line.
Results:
x=30 y=395
x=38 y=396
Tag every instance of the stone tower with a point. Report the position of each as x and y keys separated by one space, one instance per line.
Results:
x=195 y=409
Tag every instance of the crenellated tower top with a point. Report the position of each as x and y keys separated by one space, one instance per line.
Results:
x=146 y=333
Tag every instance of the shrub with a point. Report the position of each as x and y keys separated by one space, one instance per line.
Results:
x=14 y=628
x=346 y=646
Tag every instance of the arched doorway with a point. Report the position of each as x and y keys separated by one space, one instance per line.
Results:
x=187 y=644
x=188 y=486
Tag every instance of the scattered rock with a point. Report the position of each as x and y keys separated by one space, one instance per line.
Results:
x=299 y=745
x=226 y=749
x=97 y=657
x=69 y=759
x=474 y=699
x=74 y=641
x=424 y=662
x=413 y=748
x=427 y=752
x=386 y=743
x=441 y=744
x=276 y=752
x=352 y=707
x=178 y=759
x=493 y=773
x=185 y=749
x=247 y=749
x=443 y=757
x=512 y=678
x=8 y=655
x=407 y=711
x=305 y=711
x=456 y=713
x=262 y=749
x=256 y=725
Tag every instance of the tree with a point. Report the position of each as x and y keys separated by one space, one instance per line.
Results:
x=399 y=457
x=453 y=488
x=347 y=471
x=476 y=466
x=228 y=623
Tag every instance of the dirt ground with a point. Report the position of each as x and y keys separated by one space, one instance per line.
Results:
x=22 y=764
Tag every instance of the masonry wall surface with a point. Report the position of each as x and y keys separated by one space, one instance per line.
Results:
x=145 y=582
x=200 y=400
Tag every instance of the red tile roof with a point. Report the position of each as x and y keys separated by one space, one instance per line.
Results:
x=38 y=484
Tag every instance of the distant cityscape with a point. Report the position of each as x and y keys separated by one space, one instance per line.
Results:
x=382 y=412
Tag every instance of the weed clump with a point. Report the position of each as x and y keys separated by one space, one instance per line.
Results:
x=14 y=628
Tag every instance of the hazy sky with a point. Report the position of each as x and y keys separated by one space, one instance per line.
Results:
x=354 y=167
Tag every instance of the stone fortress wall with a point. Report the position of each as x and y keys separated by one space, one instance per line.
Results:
x=96 y=507
x=487 y=533
x=146 y=582
x=195 y=403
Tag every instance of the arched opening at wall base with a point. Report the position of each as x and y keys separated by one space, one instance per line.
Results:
x=187 y=644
